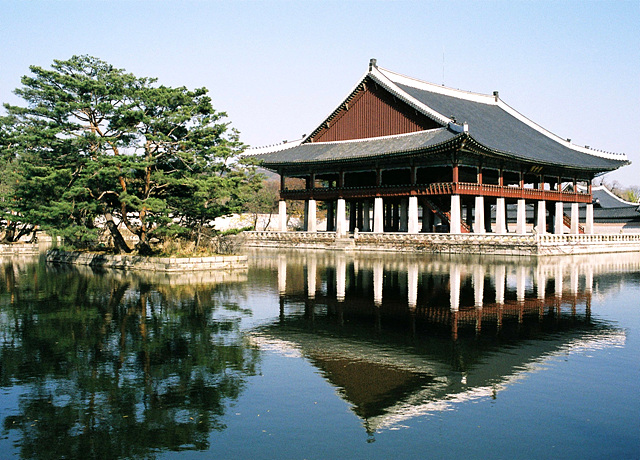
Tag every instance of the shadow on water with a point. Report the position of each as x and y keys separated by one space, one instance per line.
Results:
x=401 y=336
x=117 y=365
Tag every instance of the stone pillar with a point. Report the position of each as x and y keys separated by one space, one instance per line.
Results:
x=341 y=218
x=575 y=219
x=412 y=226
x=282 y=216
x=311 y=216
x=366 y=216
x=404 y=215
x=521 y=222
x=558 y=221
x=541 y=217
x=479 y=224
x=378 y=215
x=501 y=216
x=588 y=225
x=455 y=219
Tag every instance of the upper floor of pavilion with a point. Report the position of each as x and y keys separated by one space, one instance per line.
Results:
x=389 y=120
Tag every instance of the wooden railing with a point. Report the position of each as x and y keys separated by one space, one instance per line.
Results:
x=435 y=189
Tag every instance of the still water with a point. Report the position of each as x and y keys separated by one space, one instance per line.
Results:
x=324 y=355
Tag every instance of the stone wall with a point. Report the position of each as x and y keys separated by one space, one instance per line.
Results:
x=510 y=244
x=160 y=264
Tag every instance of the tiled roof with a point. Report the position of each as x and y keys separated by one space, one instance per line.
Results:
x=318 y=152
x=493 y=126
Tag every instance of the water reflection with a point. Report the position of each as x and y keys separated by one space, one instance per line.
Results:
x=118 y=365
x=404 y=336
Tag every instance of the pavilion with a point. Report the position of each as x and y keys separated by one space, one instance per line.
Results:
x=402 y=155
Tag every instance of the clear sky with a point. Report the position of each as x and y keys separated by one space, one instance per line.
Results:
x=279 y=67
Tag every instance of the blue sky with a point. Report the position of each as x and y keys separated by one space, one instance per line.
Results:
x=279 y=67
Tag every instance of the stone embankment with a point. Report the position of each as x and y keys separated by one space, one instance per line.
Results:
x=509 y=244
x=158 y=264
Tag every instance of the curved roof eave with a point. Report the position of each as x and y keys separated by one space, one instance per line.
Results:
x=441 y=146
x=524 y=159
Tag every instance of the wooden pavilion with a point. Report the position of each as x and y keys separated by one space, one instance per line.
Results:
x=402 y=155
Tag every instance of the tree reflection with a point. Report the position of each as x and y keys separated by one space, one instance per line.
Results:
x=114 y=367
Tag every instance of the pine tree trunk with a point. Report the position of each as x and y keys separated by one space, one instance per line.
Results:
x=118 y=241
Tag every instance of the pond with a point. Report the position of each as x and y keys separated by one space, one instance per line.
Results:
x=321 y=355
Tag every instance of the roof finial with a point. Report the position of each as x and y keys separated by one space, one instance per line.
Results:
x=496 y=95
x=373 y=63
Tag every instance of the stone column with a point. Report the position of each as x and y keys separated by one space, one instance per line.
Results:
x=404 y=218
x=341 y=218
x=378 y=215
x=311 y=216
x=541 y=218
x=501 y=216
x=558 y=221
x=521 y=222
x=479 y=224
x=412 y=226
x=366 y=216
x=282 y=216
x=575 y=219
x=455 y=219
x=588 y=225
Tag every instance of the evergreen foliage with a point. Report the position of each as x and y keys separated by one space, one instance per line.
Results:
x=95 y=146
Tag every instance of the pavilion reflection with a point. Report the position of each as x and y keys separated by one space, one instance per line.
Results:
x=401 y=336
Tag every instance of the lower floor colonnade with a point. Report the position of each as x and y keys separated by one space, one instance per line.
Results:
x=450 y=214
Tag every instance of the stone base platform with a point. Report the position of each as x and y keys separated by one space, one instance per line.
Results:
x=158 y=264
x=444 y=243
